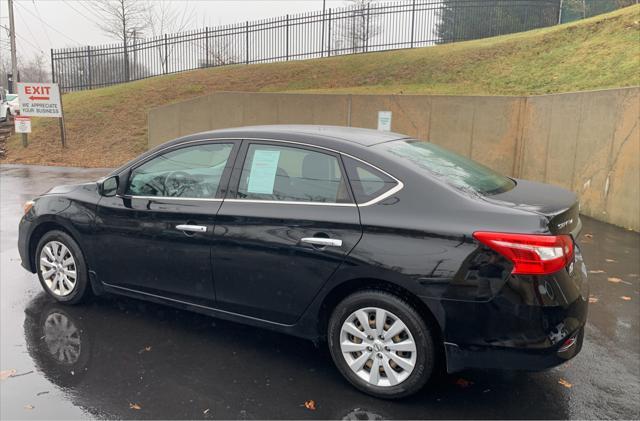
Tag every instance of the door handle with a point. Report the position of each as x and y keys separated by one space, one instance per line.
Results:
x=323 y=242
x=191 y=228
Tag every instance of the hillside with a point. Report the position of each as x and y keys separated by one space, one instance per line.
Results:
x=106 y=127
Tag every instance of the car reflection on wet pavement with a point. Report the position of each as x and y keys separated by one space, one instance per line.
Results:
x=122 y=358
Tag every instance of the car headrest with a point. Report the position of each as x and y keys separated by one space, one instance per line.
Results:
x=316 y=167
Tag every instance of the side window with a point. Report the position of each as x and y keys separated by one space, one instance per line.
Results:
x=366 y=181
x=191 y=172
x=292 y=174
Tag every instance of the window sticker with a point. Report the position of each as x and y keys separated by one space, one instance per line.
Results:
x=263 y=171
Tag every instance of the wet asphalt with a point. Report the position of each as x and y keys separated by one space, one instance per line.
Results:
x=122 y=358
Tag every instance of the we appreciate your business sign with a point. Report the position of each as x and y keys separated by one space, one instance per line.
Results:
x=39 y=100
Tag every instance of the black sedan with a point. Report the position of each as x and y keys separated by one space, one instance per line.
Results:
x=403 y=256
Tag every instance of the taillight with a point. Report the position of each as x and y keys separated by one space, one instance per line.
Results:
x=531 y=254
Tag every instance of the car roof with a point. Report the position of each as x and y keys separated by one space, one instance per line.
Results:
x=313 y=134
x=342 y=139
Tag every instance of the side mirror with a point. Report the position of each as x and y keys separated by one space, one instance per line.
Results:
x=109 y=186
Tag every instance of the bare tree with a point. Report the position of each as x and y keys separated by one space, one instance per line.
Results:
x=162 y=18
x=34 y=70
x=124 y=20
x=220 y=53
x=358 y=27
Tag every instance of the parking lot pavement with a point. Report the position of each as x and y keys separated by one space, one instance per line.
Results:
x=121 y=358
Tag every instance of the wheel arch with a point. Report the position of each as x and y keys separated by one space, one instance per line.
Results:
x=344 y=289
x=40 y=230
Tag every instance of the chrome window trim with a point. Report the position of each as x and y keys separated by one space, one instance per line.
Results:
x=201 y=199
x=399 y=186
x=290 y=202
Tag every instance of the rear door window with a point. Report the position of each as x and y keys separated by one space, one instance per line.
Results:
x=283 y=173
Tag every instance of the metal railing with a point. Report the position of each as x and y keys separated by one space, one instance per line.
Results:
x=349 y=30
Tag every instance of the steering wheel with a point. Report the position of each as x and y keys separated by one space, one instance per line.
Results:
x=175 y=183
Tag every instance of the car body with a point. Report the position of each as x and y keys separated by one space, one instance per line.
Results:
x=302 y=228
x=13 y=104
x=5 y=112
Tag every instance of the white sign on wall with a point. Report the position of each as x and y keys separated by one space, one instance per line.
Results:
x=39 y=100
x=22 y=124
x=384 y=121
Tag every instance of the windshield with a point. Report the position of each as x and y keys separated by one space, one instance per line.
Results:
x=455 y=169
x=11 y=97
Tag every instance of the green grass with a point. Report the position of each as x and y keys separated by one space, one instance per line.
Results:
x=107 y=126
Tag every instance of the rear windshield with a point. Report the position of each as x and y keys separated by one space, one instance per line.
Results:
x=456 y=170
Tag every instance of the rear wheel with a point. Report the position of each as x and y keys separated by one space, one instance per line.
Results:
x=61 y=268
x=381 y=344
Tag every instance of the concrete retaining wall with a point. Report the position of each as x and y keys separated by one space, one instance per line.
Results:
x=588 y=142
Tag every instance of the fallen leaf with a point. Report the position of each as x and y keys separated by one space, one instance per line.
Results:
x=618 y=280
x=593 y=300
x=5 y=374
x=565 y=383
x=29 y=407
x=596 y=271
x=610 y=260
x=310 y=405
x=588 y=236
x=135 y=406
x=626 y=298
x=463 y=382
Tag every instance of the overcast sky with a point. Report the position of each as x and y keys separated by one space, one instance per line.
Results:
x=45 y=24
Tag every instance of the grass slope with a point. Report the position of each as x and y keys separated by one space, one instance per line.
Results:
x=106 y=127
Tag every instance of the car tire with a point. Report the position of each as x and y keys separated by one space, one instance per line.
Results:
x=405 y=378
x=57 y=251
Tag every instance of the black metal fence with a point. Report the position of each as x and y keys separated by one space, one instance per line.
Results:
x=349 y=30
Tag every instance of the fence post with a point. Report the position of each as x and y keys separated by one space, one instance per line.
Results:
x=89 y=65
x=206 y=48
x=329 y=37
x=53 y=70
x=125 y=51
x=413 y=21
x=287 y=36
x=366 y=37
x=353 y=31
x=560 y=12
x=166 y=56
x=247 y=43
x=322 y=35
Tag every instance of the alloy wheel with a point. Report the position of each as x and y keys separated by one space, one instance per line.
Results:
x=378 y=347
x=58 y=268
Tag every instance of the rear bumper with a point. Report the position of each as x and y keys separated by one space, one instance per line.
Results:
x=460 y=357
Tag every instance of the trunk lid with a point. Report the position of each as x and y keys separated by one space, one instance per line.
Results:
x=559 y=206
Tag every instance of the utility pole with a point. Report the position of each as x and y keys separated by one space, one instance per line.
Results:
x=12 y=39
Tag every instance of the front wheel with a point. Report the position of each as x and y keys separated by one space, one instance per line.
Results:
x=381 y=344
x=61 y=268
